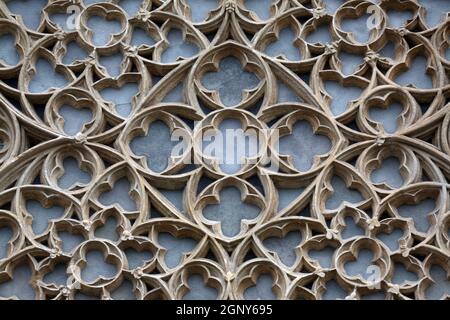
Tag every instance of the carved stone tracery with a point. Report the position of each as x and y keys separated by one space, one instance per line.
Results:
x=92 y=205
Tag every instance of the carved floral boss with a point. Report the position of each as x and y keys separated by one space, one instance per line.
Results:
x=345 y=196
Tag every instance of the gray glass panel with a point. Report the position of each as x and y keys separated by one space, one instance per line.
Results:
x=157 y=146
x=230 y=211
x=175 y=247
x=341 y=96
x=112 y=63
x=402 y=275
x=284 y=247
x=6 y=234
x=137 y=259
x=230 y=145
x=416 y=74
x=262 y=290
x=198 y=290
x=391 y=239
x=61 y=20
x=419 y=213
x=399 y=19
x=388 y=50
x=42 y=216
x=388 y=173
x=350 y=62
x=387 y=116
x=320 y=35
x=334 y=291
x=286 y=196
x=323 y=256
x=73 y=174
x=74 y=118
x=201 y=8
x=285 y=45
x=57 y=276
x=8 y=52
x=351 y=229
x=332 y=5
x=124 y=291
x=303 y=144
x=74 y=53
x=131 y=7
x=141 y=37
x=175 y=197
x=441 y=285
x=342 y=193
x=260 y=7
x=120 y=195
x=102 y=29
x=30 y=10
x=361 y=266
x=108 y=230
x=121 y=97
x=358 y=26
x=45 y=77
x=20 y=285
x=435 y=10
x=286 y=94
x=178 y=47
x=97 y=267
x=230 y=81
x=69 y=240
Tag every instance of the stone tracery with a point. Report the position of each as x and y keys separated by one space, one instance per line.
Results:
x=360 y=210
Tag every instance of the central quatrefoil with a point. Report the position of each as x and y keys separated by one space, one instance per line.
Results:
x=231 y=145
x=303 y=144
x=230 y=81
x=224 y=149
x=231 y=211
